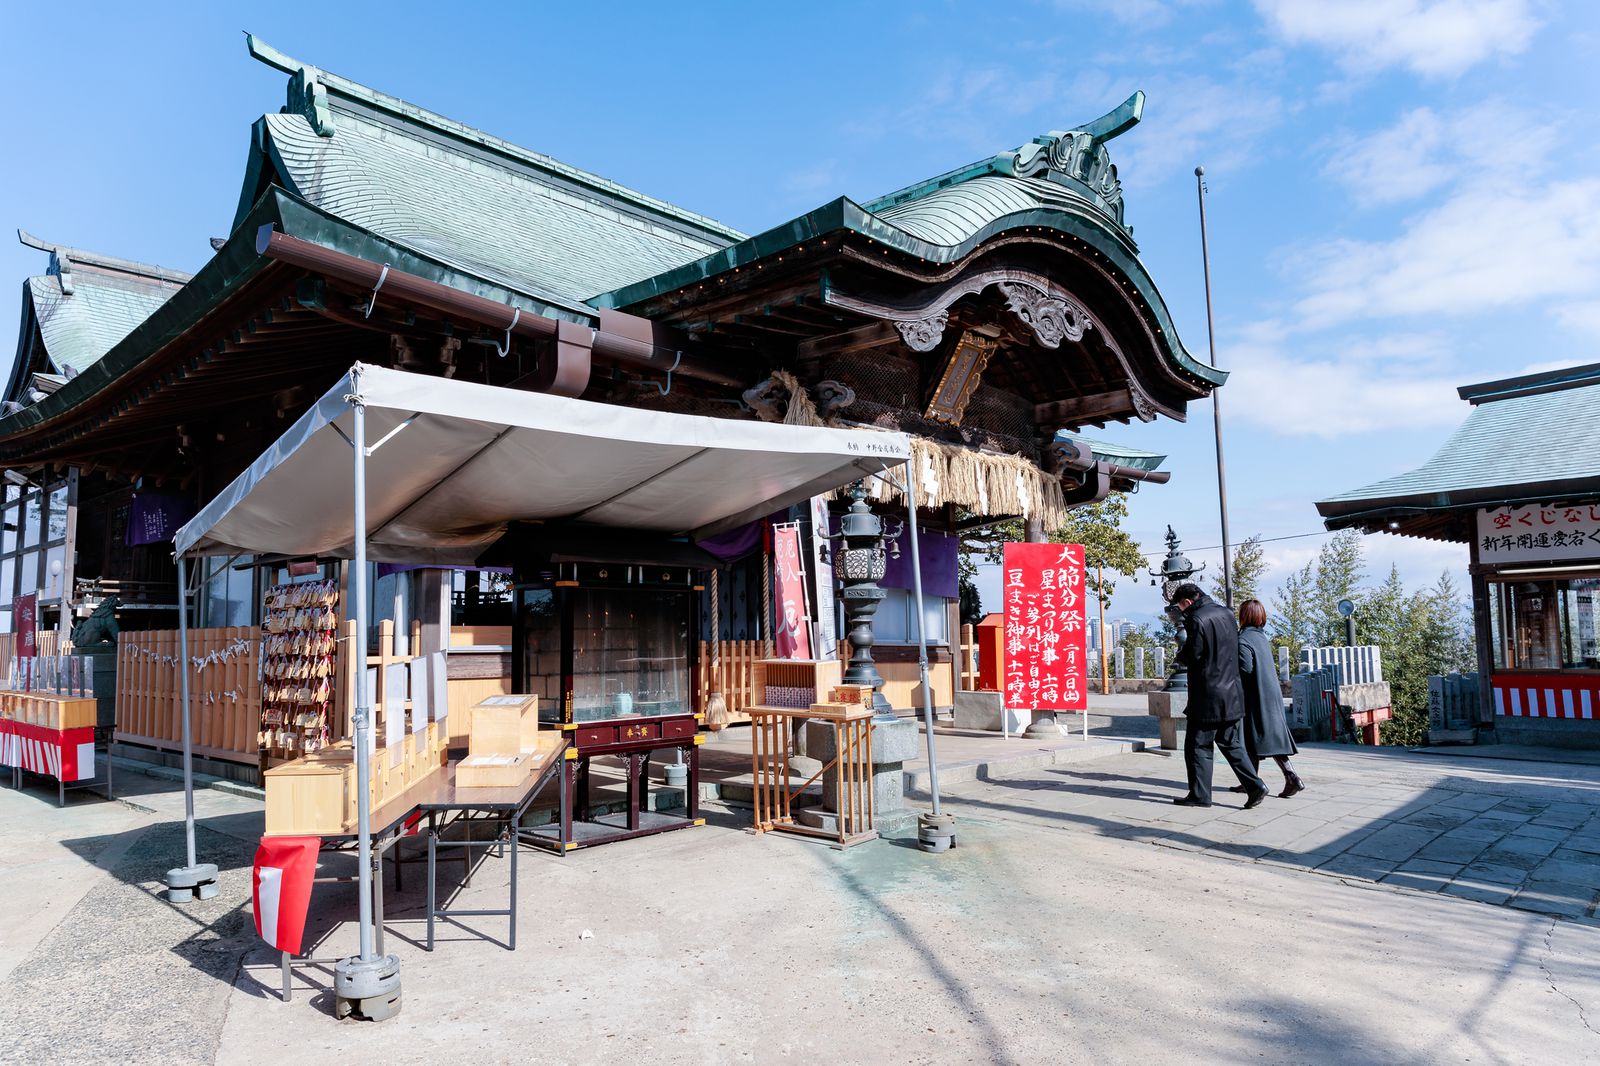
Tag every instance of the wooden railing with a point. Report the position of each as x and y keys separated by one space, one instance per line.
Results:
x=224 y=691
x=967 y=660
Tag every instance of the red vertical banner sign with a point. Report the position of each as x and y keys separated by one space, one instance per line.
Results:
x=790 y=601
x=27 y=615
x=1047 y=656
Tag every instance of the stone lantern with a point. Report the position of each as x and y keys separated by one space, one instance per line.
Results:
x=1169 y=704
x=860 y=564
x=1176 y=569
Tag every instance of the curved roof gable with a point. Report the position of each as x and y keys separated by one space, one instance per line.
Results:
x=470 y=200
x=81 y=307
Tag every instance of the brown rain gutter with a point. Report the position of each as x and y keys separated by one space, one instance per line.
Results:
x=622 y=337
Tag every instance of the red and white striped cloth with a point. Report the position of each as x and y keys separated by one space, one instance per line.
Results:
x=64 y=754
x=1547 y=695
x=281 y=889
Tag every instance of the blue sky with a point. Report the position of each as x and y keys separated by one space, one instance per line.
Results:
x=1404 y=194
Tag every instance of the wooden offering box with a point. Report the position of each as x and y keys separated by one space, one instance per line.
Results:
x=504 y=726
x=315 y=795
x=49 y=710
x=795 y=683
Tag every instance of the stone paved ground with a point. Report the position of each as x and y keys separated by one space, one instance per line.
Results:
x=1526 y=835
x=1078 y=921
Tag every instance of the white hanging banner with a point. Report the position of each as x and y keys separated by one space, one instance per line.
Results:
x=827 y=634
x=1534 y=533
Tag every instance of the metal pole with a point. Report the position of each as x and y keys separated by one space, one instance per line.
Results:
x=183 y=684
x=1216 y=403
x=363 y=724
x=922 y=637
x=1105 y=674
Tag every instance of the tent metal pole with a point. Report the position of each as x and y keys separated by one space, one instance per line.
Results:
x=194 y=880
x=922 y=635
x=366 y=985
x=188 y=733
x=363 y=716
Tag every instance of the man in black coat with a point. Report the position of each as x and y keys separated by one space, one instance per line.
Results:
x=1216 y=700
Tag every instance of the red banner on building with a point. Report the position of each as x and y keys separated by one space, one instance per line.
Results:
x=27 y=623
x=789 y=599
x=1047 y=659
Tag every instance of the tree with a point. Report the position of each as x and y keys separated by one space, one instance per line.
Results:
x=1249 y=567
x=1341 y=565
x=1431 y=633
x=1107 y=547
x=1291 y=623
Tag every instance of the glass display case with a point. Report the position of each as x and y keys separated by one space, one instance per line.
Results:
x=1545 y=625
x=606 y=643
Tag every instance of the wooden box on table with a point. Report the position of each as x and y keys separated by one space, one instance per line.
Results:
x=310 y=798
x=49 y=710
x=796 y=683
x=504 y=725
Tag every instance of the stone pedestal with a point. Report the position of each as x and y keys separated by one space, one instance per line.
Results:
x=984 y=710
x=1169 y=708
x=1044 y=725
x=893 y=743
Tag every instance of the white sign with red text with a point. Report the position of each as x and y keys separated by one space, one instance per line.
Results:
x=1535 y=533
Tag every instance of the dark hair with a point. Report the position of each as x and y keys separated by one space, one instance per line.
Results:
x=1186 y=591
x=1252 y=613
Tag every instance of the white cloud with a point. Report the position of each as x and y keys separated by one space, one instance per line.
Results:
x=1328 y=398
x=1582 y=318
x=1486 y=248
x=1425 y=150
x=1430 y=37
x=1192 y=121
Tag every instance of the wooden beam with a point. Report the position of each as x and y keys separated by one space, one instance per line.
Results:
x=1079 y=409
x=872 y=335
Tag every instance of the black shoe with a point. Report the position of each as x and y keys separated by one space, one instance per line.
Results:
x=1189 y=801
x=1255 y=799
x=1238 y=788
x=1292 y=787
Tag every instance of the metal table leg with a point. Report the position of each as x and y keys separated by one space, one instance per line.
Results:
x=377 y=892
x=692 y=757
x=433 y=840
x=564 y=834
x=511 y=831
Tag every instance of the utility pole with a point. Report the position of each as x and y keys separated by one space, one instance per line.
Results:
x=1216 y=402
x=1105 y=678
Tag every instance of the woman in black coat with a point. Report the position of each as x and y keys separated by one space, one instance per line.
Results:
x=1266 y=727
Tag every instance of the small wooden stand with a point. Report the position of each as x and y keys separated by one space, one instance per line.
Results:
x=770 y=739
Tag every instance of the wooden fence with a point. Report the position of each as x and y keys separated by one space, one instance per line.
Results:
x=47 y=643
x=224 y=691
x=967 y=660
x=734 y=675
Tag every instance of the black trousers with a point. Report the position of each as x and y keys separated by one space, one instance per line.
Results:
x=1229 y=736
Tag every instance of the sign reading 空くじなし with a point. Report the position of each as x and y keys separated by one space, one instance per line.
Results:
x=1046 y=649
x=1536 y=533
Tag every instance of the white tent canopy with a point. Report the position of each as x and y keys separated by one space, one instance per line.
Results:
x=451 y=463
x=407 y=468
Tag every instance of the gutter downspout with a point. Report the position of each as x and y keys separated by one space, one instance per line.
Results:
x=622 y=337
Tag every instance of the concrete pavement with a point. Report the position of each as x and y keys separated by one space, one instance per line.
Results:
x=1068 y=925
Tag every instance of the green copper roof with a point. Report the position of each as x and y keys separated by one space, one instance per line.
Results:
x=1107 y=452
x=85 y=303
x=1522 y=447
x=233 y=266
x=475 y=202
x=1063 y=180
